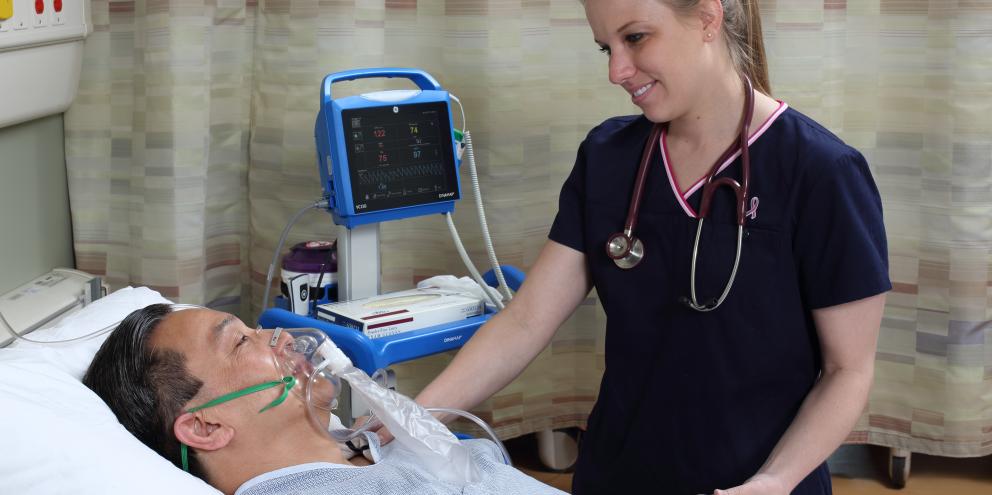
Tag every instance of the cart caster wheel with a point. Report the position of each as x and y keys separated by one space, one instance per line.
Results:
x=899 y=461
x=558 y=449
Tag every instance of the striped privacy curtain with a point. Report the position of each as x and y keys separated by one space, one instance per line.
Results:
x=157 y=148
x=909 y=83
x=191 y=145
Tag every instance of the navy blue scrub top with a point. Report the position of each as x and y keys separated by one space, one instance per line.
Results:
x=691 y=402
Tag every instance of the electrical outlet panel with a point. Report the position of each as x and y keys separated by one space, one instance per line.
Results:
x=41 y=46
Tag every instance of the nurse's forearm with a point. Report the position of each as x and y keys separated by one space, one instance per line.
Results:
x=828 y=414
x=848 y=334
x=490 y=360
x=503 y=347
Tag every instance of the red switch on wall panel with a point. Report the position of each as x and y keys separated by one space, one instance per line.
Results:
x=58 y=5
x=39 y=6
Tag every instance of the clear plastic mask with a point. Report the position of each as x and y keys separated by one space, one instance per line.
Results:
x=298 y=353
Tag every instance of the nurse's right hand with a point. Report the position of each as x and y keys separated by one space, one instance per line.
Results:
x=759 y=484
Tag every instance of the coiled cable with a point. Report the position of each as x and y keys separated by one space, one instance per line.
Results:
x=480 y=209
x=472 y=270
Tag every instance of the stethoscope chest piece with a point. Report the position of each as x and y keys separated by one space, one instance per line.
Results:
x=626 y=251
x=623 y=248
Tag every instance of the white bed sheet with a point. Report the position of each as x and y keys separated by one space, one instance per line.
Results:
x=57 y=436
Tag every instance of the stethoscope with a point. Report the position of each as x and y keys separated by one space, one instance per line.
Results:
x=627 y=251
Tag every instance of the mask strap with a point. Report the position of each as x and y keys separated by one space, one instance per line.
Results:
x=287 y=382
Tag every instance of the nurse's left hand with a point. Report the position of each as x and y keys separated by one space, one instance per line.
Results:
x=759 y=484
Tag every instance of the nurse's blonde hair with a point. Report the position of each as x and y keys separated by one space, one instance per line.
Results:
x=742 y=30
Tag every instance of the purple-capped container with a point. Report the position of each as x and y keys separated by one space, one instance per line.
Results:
x=302 y=284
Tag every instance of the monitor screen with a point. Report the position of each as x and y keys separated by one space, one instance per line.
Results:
x=400 y=156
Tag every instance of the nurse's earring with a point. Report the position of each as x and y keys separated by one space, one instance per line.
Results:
x=709 y=36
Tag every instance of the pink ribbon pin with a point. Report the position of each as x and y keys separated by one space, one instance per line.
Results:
x=752 y=213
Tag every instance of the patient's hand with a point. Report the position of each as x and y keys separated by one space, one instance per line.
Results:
x=384 y=436
x=359 y=460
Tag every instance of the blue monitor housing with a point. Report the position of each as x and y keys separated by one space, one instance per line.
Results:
x=387 y=155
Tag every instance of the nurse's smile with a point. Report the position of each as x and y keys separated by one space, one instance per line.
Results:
x=641 y=93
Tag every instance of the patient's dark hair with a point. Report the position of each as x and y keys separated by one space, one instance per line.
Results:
x=146 y=388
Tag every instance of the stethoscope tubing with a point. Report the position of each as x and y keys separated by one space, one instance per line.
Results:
x=642 y=178
x=627 y=251
x=694 y=302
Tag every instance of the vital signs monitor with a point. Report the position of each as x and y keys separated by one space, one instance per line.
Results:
x=387 y=155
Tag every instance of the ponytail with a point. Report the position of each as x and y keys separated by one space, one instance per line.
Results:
x=755 y=65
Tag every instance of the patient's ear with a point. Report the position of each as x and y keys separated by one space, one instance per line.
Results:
x=192 y=430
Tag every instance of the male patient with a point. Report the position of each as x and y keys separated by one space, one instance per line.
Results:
x=161 y=362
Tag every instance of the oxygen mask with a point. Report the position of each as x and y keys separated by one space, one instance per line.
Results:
x=312 y=358
x=299 y=352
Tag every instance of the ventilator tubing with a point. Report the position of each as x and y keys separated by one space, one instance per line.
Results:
x=412 y=426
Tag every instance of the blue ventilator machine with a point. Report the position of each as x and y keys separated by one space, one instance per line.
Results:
x=383 y=156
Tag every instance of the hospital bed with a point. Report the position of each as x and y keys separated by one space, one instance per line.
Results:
x=58 y=436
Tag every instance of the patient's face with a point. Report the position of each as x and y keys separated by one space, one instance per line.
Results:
x=228 y=356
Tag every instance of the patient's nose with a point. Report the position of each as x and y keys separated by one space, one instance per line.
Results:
x=281 y=344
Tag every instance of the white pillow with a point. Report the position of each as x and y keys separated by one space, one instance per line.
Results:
x=75 y=358
x=57 y=436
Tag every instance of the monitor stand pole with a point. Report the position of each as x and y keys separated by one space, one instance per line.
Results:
x=359 y=272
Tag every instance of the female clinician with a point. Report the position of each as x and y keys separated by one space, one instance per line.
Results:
x=752 y=396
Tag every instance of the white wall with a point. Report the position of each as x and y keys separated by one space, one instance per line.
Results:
x=35 y=227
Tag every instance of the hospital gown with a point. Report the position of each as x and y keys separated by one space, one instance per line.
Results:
x=396 y=472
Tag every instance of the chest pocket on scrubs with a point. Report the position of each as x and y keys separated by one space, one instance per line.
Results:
x=766 y=255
